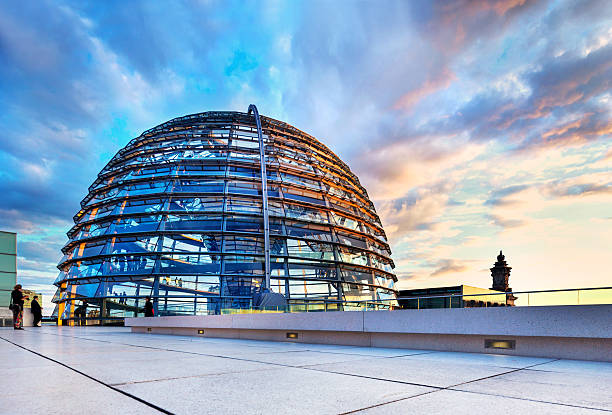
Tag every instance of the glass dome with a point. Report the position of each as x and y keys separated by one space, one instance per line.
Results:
x=178 y=215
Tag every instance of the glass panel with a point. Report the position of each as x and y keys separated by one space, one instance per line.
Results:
x=308 y=230
x=250 y=144
x=245 y=188
x=97 y=213
x=384 y=281
x=301 y=181
x=95 y=229
x=196 y=204
x=135 y=224
x=306 y=213
x=244 y=172
x=193 y=223
x=195 y=186
x=242 y=264
x=353 y=256
x=381 y=263
x=356 y=275
x=244 y=224
x=345 y=221
x=206 y=153
x=352 y=240
x=89 y=249
x=243 y=244
x=192 y=243
x=317 y=289
x=278 y=286
x=140 y=173
x=200 y=170
x=303 y=196
x=310 y=249
x=241 y=286
x=145 y=188
x=234 y=204
x=190 y=263
x=81 y=269
x=342 y=207
x=602 y=296
x=235 y=155
x=133 y=245
x=275 y=208
x=139 y=206
x=311 y=270
x=355 y=292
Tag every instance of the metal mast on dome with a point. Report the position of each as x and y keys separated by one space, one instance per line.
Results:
x=264 y=193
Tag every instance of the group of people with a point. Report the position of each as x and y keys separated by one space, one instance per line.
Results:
x=122 y=297
x=18 y=298
x=16 y=306
x=177 y=281
x=129 y=263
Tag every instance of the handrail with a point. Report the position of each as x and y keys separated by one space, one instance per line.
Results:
x=503 y=292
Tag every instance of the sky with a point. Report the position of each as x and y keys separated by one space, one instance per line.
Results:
x=475 y=126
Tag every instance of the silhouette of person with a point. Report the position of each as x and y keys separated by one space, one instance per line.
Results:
x=148 y=308
x=16 y=307
x=36 y=311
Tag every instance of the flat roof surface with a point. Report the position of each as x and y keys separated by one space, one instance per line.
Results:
x=109 y=370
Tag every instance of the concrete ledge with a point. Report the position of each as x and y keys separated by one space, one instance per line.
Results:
x=554 y=321
x=569 y=332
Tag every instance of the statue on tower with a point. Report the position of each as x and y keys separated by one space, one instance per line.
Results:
x=501 y=274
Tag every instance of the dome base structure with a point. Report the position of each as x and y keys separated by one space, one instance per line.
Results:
x=206 y=211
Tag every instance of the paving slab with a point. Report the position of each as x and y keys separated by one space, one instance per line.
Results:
x=482 y=359
x=160 y=369
x=376 y=351
x=585 y=390
x=303 y=358
x=461 y=403
x=579 y=366
x=281 y=391
x=40 y=388
x=409 y=370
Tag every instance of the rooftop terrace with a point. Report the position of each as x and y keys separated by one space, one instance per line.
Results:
x=95 y=370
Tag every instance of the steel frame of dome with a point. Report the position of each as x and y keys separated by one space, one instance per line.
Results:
x=180 y=214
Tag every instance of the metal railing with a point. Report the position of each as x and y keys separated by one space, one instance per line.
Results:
x=572 y=296
x=174 y=305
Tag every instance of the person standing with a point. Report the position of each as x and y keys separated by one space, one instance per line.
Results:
x=17 y=298
x=148 y=308
x=80 y=314
x=36 y=311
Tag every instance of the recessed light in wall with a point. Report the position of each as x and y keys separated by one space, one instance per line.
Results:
x=499 y=344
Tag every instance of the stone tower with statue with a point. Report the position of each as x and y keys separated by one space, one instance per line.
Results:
x=501 y=276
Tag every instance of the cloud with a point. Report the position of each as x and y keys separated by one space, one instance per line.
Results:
x=440 y=81
x=585 y=185
x=417 y=211
x=456 y=24
x=506 y=223
x=449 y=266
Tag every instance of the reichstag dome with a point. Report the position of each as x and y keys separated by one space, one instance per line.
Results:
x=199 y=216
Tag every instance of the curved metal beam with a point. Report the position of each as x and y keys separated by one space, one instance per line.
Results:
x=264 y=193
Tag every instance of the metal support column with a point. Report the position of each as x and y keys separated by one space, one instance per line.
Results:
x=264 y=193
x=156 y=296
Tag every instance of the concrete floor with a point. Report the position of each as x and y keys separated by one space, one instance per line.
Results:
x=99 y=370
